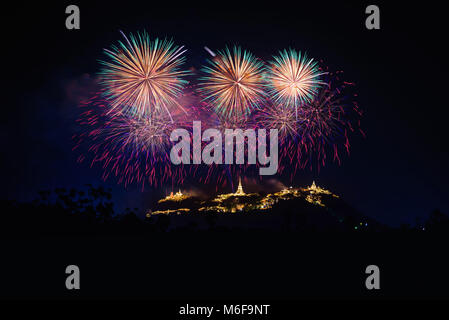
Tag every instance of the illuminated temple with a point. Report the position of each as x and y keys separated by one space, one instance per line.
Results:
x=178 y=196
x=231 y=202
x=239 y=201
x=240 y=188
x=171 y=198
x=314 y=194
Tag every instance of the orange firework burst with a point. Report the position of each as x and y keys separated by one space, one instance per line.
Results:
x=293 y=79
x=234 y=83
x=143 y=76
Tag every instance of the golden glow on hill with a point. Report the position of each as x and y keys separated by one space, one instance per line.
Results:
x=178 y=196
x=177 y=211
x=239 y=201
x=315 y=193
x=313 y=189
x=238 y=193
x=232 y=202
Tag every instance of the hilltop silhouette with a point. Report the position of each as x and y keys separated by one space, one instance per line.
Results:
x=294 y=249
x=70 y=211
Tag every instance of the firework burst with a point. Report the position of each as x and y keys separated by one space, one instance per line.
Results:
x=293 y=79
x=127 y=125
x=281 y=118
x=133 y=149
x=327 y=121
x=284 y=120
x=143 y=77
x=234 y=83
x=319 y=127
x=140 y=134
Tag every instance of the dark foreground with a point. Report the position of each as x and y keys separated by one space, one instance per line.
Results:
x=296 y=251
x=228 y=265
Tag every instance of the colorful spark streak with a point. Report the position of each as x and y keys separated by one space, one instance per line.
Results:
x=234 y=83
x=322 y=125
x=279 y=117
x=293 y=79
x=131 y=148
x=143 y=77
x=328 y=121
x=126 y=127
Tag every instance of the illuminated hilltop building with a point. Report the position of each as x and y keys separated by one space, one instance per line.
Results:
x=238 y=193
x=233 y=202
x=313 y=189
x=240 y=188
x=315 y=193
x=178 y=196
x=287 y=193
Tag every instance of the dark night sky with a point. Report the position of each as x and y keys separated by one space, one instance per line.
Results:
x=397 y=173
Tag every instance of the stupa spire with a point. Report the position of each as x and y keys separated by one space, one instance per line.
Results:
x=240 y=188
